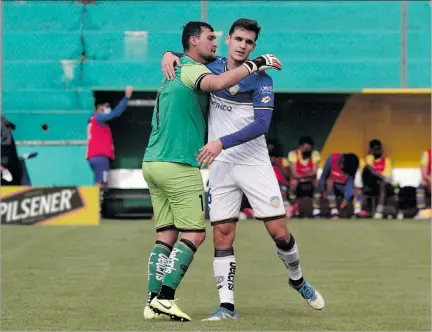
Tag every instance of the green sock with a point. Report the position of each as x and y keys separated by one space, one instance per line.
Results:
x=156 y=269
x=179 y=261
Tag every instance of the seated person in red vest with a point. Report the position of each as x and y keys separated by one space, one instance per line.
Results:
x=304 y=163
x=377 y=176
x=338 y=178
x=425 y=184
x=100 y=147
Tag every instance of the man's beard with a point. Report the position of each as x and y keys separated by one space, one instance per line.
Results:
x=209 y=58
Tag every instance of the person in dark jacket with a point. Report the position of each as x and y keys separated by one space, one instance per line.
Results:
x=10 y=168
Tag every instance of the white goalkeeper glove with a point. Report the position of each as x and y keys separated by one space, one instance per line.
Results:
x=263 y=62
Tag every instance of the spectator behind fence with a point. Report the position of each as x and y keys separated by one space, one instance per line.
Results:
x=377 y=177
x=337 y=179
x=10 y=168
x=100 y=148
x=425 y=184
x=304 y=162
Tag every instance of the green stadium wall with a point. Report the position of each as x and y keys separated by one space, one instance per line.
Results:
x=326 y=47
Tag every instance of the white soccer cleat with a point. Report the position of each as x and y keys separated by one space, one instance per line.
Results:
x=221 y=314
x=310 y=294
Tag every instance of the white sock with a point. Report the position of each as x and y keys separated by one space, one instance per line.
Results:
x=291 y=259
x=224 y=271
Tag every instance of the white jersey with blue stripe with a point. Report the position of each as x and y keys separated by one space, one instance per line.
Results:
x=233 y=109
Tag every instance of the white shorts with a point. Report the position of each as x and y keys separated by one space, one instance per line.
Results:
x=228 y=182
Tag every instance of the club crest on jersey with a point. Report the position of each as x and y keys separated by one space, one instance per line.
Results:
x=275 y=201
x=234 y=89
x=266 y=99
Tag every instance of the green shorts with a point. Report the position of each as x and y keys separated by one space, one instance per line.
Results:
x=177 y=195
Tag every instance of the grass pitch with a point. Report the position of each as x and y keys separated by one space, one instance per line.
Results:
x=374 y=276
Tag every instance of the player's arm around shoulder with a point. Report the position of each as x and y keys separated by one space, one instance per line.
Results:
x=213 y=83
x=192 y=74
x=229 y=78
x=171 y=61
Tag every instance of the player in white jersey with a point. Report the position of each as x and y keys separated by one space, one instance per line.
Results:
x=237 y=151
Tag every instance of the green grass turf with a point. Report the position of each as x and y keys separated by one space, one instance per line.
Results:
x=374 y=275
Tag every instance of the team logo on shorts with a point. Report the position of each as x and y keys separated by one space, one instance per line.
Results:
x=275 y=201
x=234 y=89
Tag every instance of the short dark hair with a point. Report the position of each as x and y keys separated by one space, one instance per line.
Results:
x=193 y=28
x=247 y=24
x=374 y=143
x=350 y=163
x=306 y=140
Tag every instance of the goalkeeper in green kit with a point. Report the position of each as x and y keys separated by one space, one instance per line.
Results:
x=170 y=167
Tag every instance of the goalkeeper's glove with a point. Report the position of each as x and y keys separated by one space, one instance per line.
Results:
x=263 y=62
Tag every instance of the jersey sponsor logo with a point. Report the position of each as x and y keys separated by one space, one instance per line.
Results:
x=267 y=89
x=266 y=99
x=221 y=106
x=275 y=201
x=234 y=89
x=39 y=204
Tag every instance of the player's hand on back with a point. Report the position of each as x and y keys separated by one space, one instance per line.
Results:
x=169 y=61
x=209 y=152
x=263 y=62
x=128 y=91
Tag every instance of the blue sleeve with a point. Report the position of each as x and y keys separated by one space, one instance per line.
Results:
x=258 y=127
x=325 y=173
x=263 y=100
x=102 y=118
x=263 y=96
x=349 y=186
